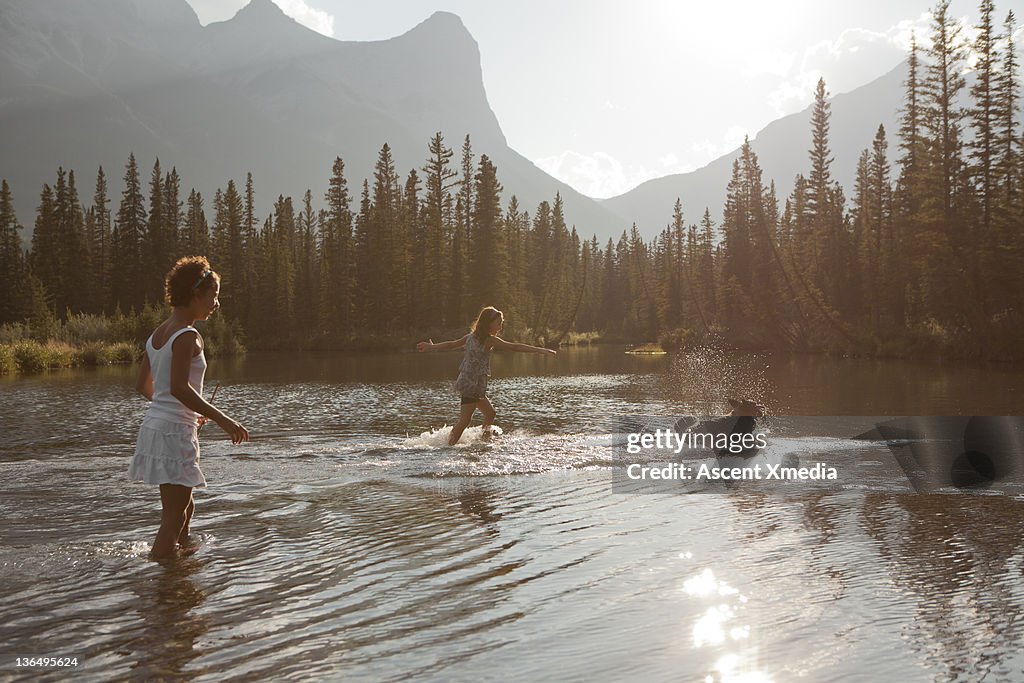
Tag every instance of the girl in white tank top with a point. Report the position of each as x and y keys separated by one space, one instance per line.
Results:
x=171 y=377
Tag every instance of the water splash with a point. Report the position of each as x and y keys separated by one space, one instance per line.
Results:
x=711 y=375
x=438 y=438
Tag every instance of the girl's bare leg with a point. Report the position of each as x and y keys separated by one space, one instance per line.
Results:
x=465 y=415
x=488 y=410
x=189 y=511
x=174 y=499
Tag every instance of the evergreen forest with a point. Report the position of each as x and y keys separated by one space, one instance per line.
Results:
x=924 y=255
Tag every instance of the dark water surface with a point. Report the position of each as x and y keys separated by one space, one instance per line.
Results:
x=346 y=543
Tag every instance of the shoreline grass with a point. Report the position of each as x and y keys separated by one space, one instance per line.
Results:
x=28 y=357
x=92 y=340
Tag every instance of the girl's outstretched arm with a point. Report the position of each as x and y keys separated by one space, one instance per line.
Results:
x=429 y=345
x=501 y=344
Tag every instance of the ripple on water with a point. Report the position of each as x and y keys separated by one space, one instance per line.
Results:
x=337 y=546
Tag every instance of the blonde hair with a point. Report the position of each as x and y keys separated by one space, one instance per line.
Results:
x=481 y=328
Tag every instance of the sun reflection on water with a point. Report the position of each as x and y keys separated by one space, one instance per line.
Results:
x=713 y=628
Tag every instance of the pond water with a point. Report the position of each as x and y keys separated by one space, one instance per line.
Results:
x=347 y=542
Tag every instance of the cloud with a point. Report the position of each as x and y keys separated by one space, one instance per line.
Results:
x=707 y=151
x=597 y=175
x=600 y=175
x=846 y=62
x=310 y=17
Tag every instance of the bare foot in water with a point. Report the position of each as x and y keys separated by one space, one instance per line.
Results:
x=188 y=545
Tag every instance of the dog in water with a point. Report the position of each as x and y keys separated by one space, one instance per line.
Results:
x=742 y=420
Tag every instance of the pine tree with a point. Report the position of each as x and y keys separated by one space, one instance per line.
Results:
x=749 y=270
x=439 y=179
x=488 y=254
x=76 y=270
x=538 y=258
x=228 y=246
x=735 y=232
x=1008 y=262
x=558 y=278
x=156 y=245
x=516 y=228
x=943 y=233
x=195 y=237
x=825 y=217
x=1007 y=98
x=218 y=238
x=942 y=114
x=281 y=266
x=384 y=298
x=877 y=249
x=911 y=134
x=306 y=268
x=983 y=122
x=100 y=244
x=705 y=271
x=642 y=323
x=457 y=300
x=673 y=266
x=365 y=253
x=249 y=306
x=909 y=194
x=127 y=275
x=466 y=188
x=174 y=213
x=411 y=244
x=13 y=274
x=44 y=258
x=337 y=280
x=590 y=318
x=613 y=293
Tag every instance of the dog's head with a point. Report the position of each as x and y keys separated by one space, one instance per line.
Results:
x=746 y=407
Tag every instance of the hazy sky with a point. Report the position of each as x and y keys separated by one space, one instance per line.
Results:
x=605 y=95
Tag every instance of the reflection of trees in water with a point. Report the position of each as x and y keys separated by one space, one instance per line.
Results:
x=820 y=516
x=959 y=556
x=475 y=501
x=753 y=505
x=170 y=629
x=954 y=563
x=821 y=511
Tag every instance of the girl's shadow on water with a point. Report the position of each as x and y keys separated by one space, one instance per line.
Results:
x=170 y=629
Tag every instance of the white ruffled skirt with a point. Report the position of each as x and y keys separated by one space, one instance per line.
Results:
x=167 y=453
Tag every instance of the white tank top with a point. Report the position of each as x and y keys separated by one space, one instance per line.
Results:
x=164 y=405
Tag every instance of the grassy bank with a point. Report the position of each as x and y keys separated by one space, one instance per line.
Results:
x=87 y=340
x=28 y=356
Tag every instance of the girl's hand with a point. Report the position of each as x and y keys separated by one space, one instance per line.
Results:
x=425 y=346
x=236 y=431
x=201 y=420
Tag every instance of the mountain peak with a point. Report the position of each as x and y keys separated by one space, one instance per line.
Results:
x=441 y=23
x=262 y=11
x=443 y=18
x=262 y=27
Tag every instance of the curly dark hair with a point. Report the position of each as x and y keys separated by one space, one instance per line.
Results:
x=189 y=276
